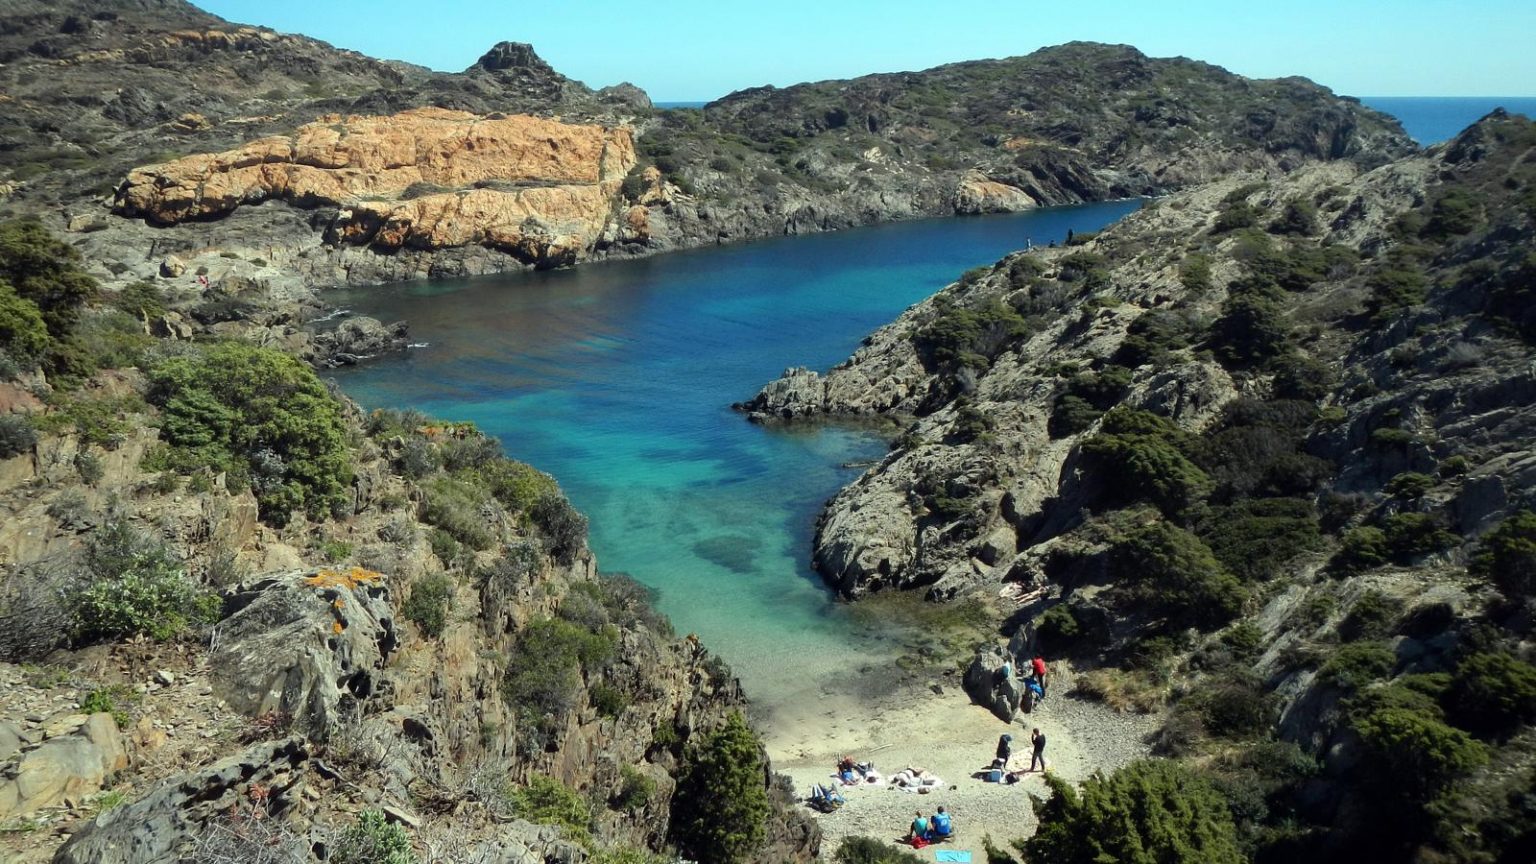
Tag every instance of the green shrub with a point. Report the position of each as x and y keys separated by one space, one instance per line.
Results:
x=141 y=300
x=23 y=335
x=547 y=801
x=1411 y=535
x=1235 y=216
x=1507 y=555
x=1299 y=218
x=1373 y=615
x=1148 y=811
x=543 y=679
x=960 y=336
x=516 y=485
x=1253 y=537
x=868 y=850
x=1152 y=338
x=1301 y=377
x=1410 y=485
x=134 y=586
x=1085 y=397
x=1394 y=289
x=1493 y=693
x=372 y=839
x=102 y=421
x=971 y=423
x=1250 y=332
x=1457 y=211
x=1144 y=454
x=609 y=701
x=111 y=700
x=1170 y=572
x=427 y=607
x=1414 y=754
x=458 y=506
x=1234 y=707
x=721 y=806
x=1358 y=664
x=1058 y=628
x=16 y=435
x=444 y=546
x=636 y=790
x=1195 y=273
x=1362 y=548
x=262 y=415
x=563 y=526
x=46 y=271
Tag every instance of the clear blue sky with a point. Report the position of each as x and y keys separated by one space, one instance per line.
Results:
x=684 y=50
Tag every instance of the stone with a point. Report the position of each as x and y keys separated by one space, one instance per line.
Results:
x=165 y=677
x=989 y=687
x=63 y=725
x=172 y=267
x=10 y=740
x=66 y=767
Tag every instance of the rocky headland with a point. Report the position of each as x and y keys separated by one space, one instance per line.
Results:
x=1259 y=456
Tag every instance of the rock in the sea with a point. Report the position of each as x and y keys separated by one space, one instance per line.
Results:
x=356 y=339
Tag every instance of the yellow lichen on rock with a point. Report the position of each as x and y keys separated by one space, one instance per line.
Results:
x=349 y=579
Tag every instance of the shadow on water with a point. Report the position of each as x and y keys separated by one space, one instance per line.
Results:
x=616 y=377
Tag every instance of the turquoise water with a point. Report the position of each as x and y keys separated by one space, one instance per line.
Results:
x=1433 y=119
x=616 y=377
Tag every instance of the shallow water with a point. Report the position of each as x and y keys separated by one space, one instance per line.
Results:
x=616 y=378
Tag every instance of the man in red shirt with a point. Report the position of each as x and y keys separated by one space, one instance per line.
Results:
x=1039 y=666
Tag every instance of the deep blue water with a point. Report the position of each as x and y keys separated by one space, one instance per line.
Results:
x=1433 y=119
x=616 y=377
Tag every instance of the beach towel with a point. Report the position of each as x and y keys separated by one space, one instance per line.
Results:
x=957 y=855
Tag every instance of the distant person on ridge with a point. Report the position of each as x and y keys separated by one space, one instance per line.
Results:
x=1038 y=739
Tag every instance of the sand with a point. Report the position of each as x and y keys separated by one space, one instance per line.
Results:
x=938 y=728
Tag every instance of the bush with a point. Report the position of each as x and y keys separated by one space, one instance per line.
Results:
x=142 y=300
x=427 y=607
x=543 y=679
x=46 y=271
x=1298 y=218
x=564 y=528
x=960 y=336
x=636 y=790
x=516 y=485
x=1416 y=755
x=1362 y=548
x=1172 y=573
x=1234 y=707
x=1195 y=273
x=1253 y=537
x=1410 y=485
x=1085 y=397
x=16 y=435
x=1395 y=288
x=110 y=700
x=1374 y=615
x=1148 y=811
x=1058 y=628
x=372 y=839
x=1144 y=454
x=1301 y=377
x=135 y=587
x=867 y=850
x=1507 y=555
x=23 y=335
x=1152 y=338
x=721 y=805
x=1411 y=535
x=259 y=414
x=1358 y=664
x=458 y=506
x=1493 y=693
x=547 y=801
x=1250 y=332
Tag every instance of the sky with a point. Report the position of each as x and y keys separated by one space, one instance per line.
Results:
x=695 y=50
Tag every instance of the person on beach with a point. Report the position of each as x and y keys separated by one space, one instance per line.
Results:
x=1037 y=738
x=1038 y=665
x=939 y=826
x=919 y=829
x=1004 y=750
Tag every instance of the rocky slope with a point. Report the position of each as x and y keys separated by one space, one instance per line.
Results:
x=1261 y=449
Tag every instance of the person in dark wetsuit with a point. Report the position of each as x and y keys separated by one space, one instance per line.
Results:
x=1038 y=739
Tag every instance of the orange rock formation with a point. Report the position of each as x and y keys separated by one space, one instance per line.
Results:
x=425 y=178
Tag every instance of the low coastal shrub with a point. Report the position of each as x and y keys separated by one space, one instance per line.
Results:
x=1168 y=571
x=1145 y=453
x=959 y=336
x=134 y=586
x=1085 y=397
x=1361 y=549
x=1358 y=664
x=1152 y=338
x=1415 y=756
x=1507 y=555
x=429 y=603
x=543 y=679
x=868 y=850
x=1153 y=810
x=547 y=801
x=1492 y=693
x=563 y=526
x=372 y=839
x=721 y=806
x=16 y=435
x=262 y=416
x=1255 y=536
x=636 y=790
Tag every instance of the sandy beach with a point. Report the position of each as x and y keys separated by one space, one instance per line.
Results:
x=938 y=728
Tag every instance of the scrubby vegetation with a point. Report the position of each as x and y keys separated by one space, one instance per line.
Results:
x=721 y=800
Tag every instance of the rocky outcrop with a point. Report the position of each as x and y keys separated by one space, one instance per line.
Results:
x=354 y=340
x=979 y=194
x=426 y=178
x=65 y=759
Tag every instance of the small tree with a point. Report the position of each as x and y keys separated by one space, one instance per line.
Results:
x=1508 y=555
x=1148 y=812
x=1174 y=573
x=722 y=796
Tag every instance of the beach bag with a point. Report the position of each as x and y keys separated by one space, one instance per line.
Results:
x=995 y=775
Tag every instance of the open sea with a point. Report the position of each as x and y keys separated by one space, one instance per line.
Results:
x=616 y=377
x=1430 y=120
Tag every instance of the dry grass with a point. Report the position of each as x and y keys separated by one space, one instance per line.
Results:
x=1122 y=690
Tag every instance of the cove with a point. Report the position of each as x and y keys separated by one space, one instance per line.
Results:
x=616 y=377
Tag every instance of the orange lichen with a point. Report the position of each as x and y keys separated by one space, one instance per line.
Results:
x=337 y=627
x=344 y=579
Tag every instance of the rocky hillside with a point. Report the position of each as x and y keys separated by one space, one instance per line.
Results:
x=240 y=620
x=99 y=119
x=1261 y=450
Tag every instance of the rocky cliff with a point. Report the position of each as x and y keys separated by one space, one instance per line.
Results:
x=423 y=179
x=1260 y=450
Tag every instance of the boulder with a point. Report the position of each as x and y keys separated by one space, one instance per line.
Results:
x=67 y=766
x=305 y=644
x=990 y=686
x=172 y=267
x=355 y=339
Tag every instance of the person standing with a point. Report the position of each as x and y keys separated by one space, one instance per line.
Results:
x=1004 y=751
x=1038 y=665
x=1037 y=738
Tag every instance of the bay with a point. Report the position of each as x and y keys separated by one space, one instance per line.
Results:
x=616 y=378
